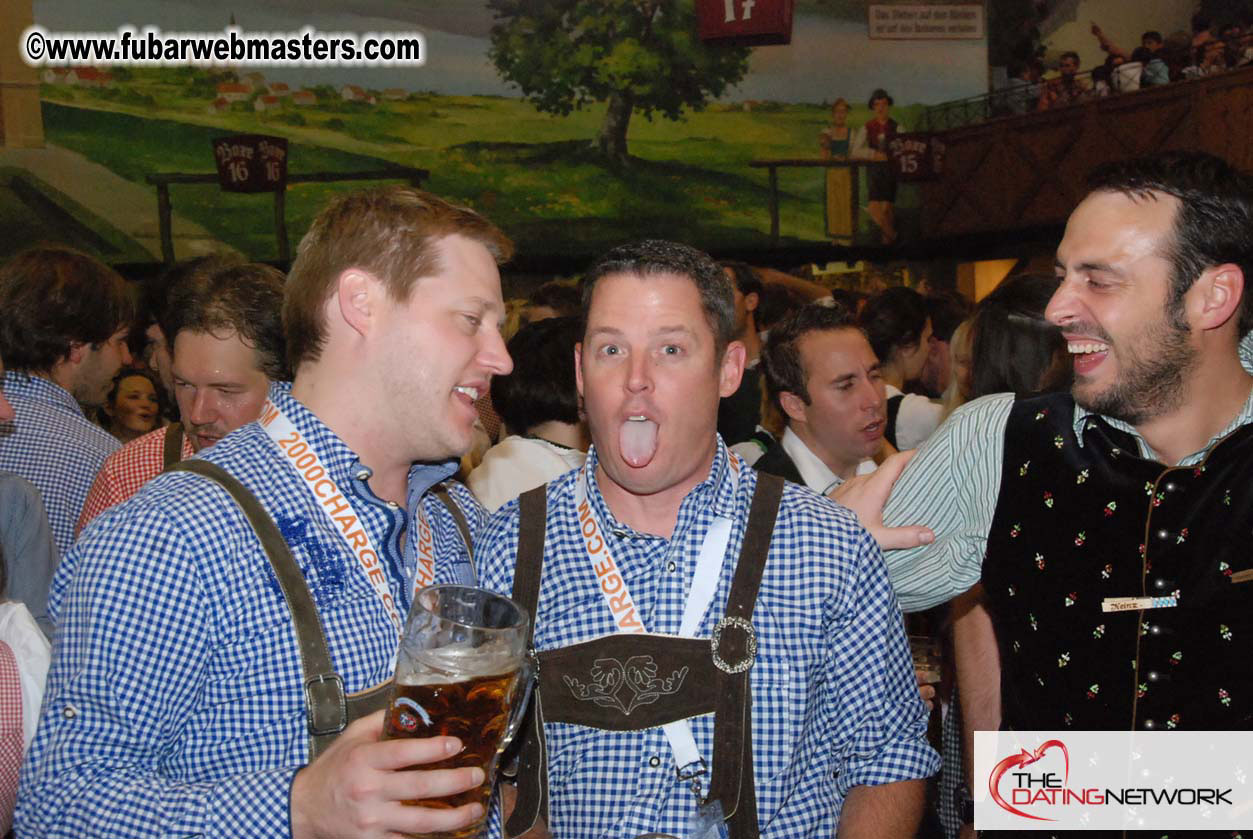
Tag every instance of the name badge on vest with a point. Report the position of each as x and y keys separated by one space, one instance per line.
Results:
x=1131 y=604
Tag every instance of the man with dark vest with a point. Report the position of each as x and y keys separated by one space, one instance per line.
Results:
x=822 y=375
x=225 y=329
x=668 y=580
x=1109 y=516
x=226 y=625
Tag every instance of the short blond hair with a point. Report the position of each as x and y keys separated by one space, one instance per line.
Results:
x=388 y=231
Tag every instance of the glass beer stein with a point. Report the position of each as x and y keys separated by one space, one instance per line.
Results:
x=462 y=671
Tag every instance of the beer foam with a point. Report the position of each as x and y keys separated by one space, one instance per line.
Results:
x=449 y=665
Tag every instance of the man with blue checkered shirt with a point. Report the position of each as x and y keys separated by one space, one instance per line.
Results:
x=670 y=580
x=185 y=697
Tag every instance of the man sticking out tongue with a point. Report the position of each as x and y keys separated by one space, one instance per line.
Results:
x=809 y=694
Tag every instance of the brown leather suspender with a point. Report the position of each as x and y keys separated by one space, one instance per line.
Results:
x=172 y=450
x=329 y=708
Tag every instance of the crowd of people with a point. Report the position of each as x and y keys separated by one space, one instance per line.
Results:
x=210 y=609
x=1209 y=49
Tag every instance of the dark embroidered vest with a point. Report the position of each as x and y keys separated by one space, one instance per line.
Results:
x=1077 y=524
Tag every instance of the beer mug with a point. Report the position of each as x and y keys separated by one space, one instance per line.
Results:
x=462 y=670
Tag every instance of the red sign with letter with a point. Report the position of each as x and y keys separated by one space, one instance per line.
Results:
x=745 y=22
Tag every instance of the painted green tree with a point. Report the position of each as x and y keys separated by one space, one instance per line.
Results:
x=634 y=54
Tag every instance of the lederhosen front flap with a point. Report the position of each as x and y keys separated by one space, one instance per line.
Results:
x=329 y=708
x=628 y=682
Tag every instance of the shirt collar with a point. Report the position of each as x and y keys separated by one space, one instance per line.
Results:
x=38 y=388
x=338 y=458
x=816 y=474
x=717 y=492
x=1082 y=418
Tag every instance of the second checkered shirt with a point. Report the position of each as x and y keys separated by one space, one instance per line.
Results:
x=835 y=704
x=51 y=444
x=125 y=471
x=174 y=704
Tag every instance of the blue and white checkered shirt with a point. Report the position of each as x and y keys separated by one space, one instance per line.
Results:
x=51 y=444
x=174 y=702
x=835 y=703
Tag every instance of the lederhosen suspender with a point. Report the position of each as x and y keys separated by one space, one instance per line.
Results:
x=696 y=675
x=172 y=452
x=329 y=708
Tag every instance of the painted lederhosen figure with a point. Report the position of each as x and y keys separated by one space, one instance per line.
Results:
x=644 y=563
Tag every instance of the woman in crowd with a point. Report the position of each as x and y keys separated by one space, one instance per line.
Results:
x=899 y=328
x=133 y=407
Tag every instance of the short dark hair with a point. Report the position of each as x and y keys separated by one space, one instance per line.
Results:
x=1014 y=349
x=1213 y=221
x=541 y=387
x=1069 y=54
x=745 y=278
x=245 y=299
x=657 y=256
x=52 y=297
x=1152 y=35
x=892 y=319
x=562 y=297
x=947 y=309
x=781 y=355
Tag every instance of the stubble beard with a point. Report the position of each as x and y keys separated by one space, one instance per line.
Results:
x=1147 y=386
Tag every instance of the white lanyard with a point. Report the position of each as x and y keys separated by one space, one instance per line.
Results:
x=301 y=455
x=622 y=606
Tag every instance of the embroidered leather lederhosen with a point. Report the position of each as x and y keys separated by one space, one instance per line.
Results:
x=329 y=708
x=706 y=674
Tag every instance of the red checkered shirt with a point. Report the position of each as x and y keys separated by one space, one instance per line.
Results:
x=10 y=734
x=125 y=471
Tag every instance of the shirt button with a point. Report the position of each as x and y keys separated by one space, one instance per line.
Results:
x=363 y=475
x=1159 y=583
x=1153 y=676
x=671 y=565
x=1171 y=486
x=1154 y=630
x=619 y=532
x=1163 y=534
x=69 y=712
x=1150 y=724
x=654 y=761
x=392 y=505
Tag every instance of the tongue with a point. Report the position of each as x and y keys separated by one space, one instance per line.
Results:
x=638 y=441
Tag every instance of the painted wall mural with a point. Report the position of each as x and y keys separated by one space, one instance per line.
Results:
x=574 y=124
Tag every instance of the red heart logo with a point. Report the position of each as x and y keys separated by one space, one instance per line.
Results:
x=1025 y=758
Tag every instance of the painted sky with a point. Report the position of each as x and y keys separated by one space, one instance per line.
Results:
x=830 y=54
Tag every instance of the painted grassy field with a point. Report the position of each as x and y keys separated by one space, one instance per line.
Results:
x=535 y=175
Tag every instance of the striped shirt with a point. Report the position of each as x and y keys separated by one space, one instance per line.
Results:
x=125 y=471
x=953 y=484
x=51 y=444
x=834 y=702
x=174 y=704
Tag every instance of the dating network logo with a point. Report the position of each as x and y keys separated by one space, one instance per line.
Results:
x=1032 y=780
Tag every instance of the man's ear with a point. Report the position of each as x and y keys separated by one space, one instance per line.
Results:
x=356 y=298
x=792 y=405
x=78 y=350
x=1216 y=296
x=733 y=358
x=578 y=370
x=751 y=301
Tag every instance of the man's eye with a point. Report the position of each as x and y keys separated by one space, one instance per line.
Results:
x=473 y=320
x=671 y=349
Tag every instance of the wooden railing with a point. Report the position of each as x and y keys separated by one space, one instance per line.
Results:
x=162 y=181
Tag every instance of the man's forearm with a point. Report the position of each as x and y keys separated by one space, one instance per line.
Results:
x=882 y=812
x=978 y=667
